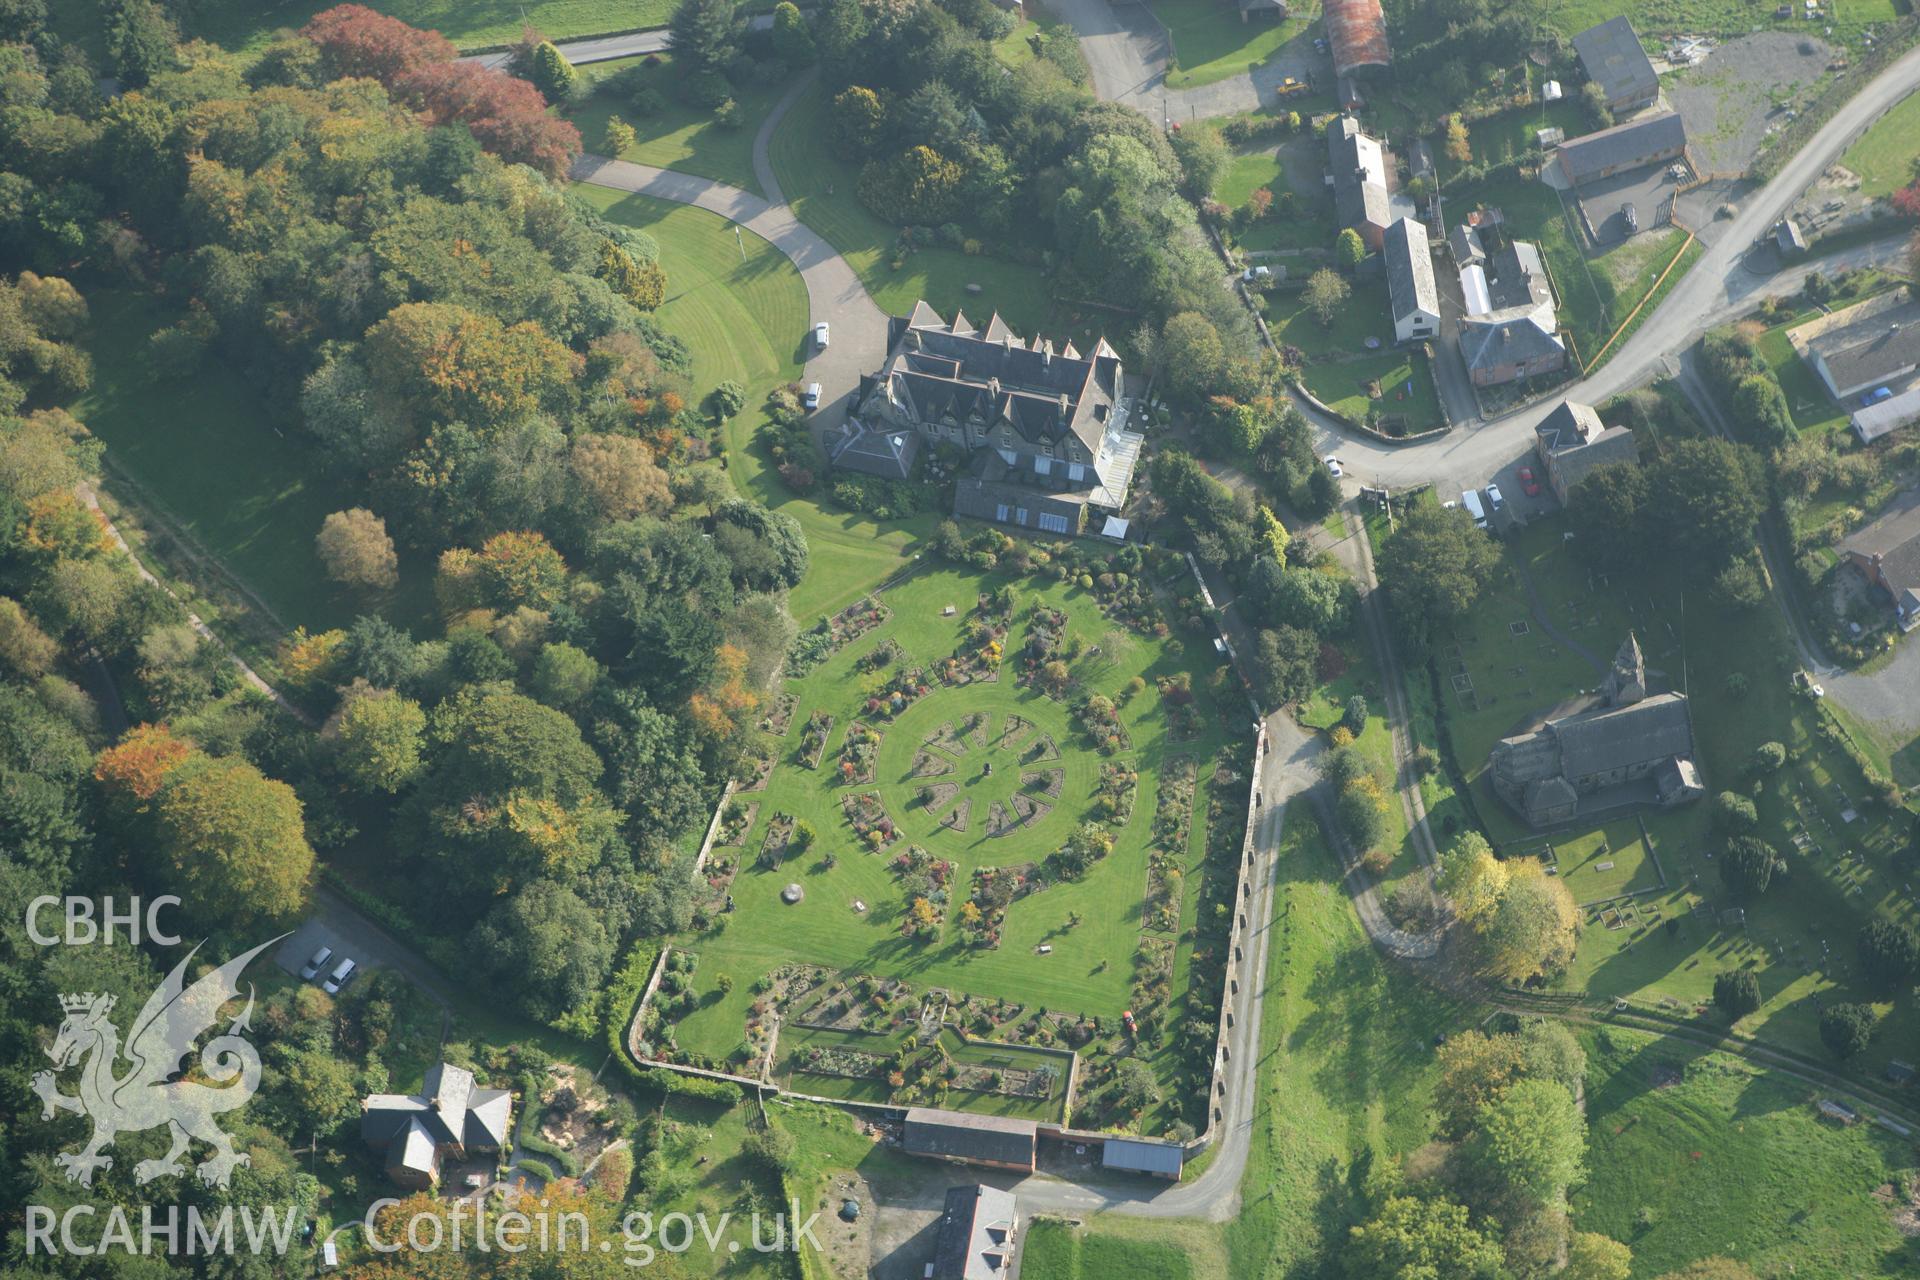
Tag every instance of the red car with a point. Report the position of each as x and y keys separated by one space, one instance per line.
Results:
x=1528 y=483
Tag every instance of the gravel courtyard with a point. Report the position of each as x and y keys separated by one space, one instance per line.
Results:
x=1744 y=88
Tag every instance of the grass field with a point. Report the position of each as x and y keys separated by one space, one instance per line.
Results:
x=205 y=454
x=1090 y=967
x=1055 y=1251
x=1726 y=1160
x=1666 y=948
x=746 y=319
x=471 y=24
x=1656 y=19
x=1883 y=157
x=679 y=136
x=819 y=183
x=1213 y=44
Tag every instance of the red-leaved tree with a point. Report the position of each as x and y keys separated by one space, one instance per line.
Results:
x=355 y=41
x=506 y=115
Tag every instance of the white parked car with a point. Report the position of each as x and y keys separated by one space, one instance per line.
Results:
x=1494 y=499
x=342 y=974
x=820 y=335
x=1333 y=466
x=311 y=969
x=812 y=398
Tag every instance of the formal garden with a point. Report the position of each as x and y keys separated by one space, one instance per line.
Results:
x=981 y=847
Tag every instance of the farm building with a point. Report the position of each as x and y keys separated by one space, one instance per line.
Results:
x=1612 y=57
x=964 y=1138
x=1358 y=165
x=1161 y=1159
x=1410 y=287
x=1573 y=444
x=1648 y=140
x=1357 y=30
x=976 y=1240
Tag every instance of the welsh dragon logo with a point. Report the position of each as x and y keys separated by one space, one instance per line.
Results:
x=147 y=1095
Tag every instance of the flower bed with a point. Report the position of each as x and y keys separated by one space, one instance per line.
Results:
x=813 y=740
x=867 y=815
x=861 y=1003
x=925 y=882
x=830 y=635
x=905 y=688
x=860 y=754
x=1101 y=720
x=955 y=740
x=779 y=717
x=773 y=846
x=978 y=657
x=735 y=822
x=1113 y=799
x=1172 y=825
x=994 y=890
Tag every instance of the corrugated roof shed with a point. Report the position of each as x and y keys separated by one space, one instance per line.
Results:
x=1884 y=416
x=1162 y=1158
x=1357 y=30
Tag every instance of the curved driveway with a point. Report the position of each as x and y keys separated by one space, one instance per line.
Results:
x=834 y=291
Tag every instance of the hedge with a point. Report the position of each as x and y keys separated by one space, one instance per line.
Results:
x=679 y=1083
x=527 y=1137
x=441 y=951
x=539 y=1169
x=623 y=993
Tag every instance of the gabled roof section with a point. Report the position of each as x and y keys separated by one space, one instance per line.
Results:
x=961 y=1135
x=1489 y=343
x=1409 y=261
x=1612 y=57
x=1639 y=141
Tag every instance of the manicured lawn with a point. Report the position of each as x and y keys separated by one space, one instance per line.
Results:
x=1807 y=399
x=1512 y=133
x=1212 y=43
x=471 y=24
x=1366 y=314
x=747 y=320
x=1883 y=157
x=1055 y=1251
x=1247 y=173
x=1666 y=948
x=1406 y=387
x=850 y=918
x=207 y=455
x=819 y=182
x=679 y=136
x=1725 y=1160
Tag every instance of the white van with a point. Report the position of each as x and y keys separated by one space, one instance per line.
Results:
x=1470 y=499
